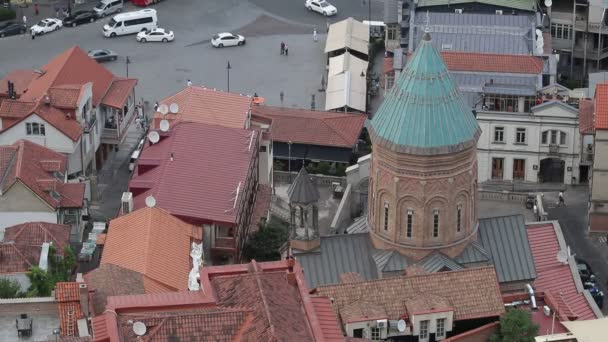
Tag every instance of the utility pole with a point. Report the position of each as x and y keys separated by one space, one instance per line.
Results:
x=599 y=40
x=128 y=61
x=228 y=67
x=585 y=50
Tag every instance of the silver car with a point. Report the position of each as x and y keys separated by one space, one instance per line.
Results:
x=103 y=55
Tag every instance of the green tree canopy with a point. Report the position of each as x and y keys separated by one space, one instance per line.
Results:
x=264 y=245
x=10 y=288
x=516 y=326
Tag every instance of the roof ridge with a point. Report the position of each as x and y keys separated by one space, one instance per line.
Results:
x=17 y=251
x=258 y=283
x=333 y=128
x=8 y=167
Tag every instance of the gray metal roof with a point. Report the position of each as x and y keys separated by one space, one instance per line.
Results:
x=471 y=84
x=487 y=33
x=509 y=89
x=390 y=11
x=437 y=261
x=303 y=190
x=359 y=226
x=390 y=261
x=338 y=254
x=473 y=253
x=506 y=241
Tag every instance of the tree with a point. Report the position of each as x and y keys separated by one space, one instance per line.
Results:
x=10 y=288
x=516 y=326
x=264 y=244
x=60 y=269
x=42 y=283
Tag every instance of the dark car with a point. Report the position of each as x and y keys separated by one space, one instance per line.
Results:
x=103 y=55
x=584 y=270
x=11 y=28
x=80 y=17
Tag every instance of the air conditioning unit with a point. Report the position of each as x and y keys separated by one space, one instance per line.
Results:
x=458 y=11
x=382 y=323
x=127 y=202
x=498 y=12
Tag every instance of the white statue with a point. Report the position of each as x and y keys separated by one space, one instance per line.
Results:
x=196 y=254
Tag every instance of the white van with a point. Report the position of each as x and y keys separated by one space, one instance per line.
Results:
x=135 y=155
x=132 y=22
x=107 y=7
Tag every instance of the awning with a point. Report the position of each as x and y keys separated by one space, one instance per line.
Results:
x=346 y=90
x=348 y=34
x=311 y=152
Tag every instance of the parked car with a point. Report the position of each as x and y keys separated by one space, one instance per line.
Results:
x=135 y=155
x=102 y=55
x=227 y=39
x=155 y=35
x=584 y=270
x=11 y=28
x=131 y=22
x=46 y=26
x=321 y=6
x=105 y=7
x=80 y=17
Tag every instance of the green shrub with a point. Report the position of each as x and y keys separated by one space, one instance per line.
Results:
x=7 y=14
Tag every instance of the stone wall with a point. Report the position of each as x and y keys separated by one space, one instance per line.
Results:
x=39 y=305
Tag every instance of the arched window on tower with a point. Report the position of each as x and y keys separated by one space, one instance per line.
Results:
x=436 y=223
x=385 y=216
x=458 y=218
x=409 y=223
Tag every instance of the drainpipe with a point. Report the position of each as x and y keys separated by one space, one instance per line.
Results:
x=599 y=40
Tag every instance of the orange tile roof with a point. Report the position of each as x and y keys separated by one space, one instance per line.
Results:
x=313 y=127
x=601 y=106
x=330 y=327
x=119 y=92
x=67 y=292
x=473 y=293
x=111 y=280
x=18 y=111
x=485 y=62
x=154 y=243
x=210 y=106
x=70 y=311
x=586 y=116
x=29 y=163
x=21 y=78
x=65 y=96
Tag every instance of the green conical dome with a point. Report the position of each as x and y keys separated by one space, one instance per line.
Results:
x=424 y=112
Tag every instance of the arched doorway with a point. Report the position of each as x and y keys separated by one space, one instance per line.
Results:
x=551 y=170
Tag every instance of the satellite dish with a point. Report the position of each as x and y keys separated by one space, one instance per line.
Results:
x=163 y=109
x=174 y=108
x=139 y=328
x=164 y=125
x=401 y=326
x=154 y=137
x=150 y=201
x=562 y=256
x=548 y=3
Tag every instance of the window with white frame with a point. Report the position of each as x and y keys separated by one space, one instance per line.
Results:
x=459 y=218
x=390 y=80
x=440 y=331
x=435 y=223
x=520 y=135
x=409 y=224
x=385 y=216
x=561 y=31
x=499 y=134
x=553 y=137
x=34 y=128
x=424 y=330
x=375 y=334
x=391 y=33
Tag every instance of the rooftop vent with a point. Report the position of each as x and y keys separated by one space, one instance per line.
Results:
x=458 y=11
x=127 y=202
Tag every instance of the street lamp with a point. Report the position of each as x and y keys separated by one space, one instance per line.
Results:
x=366 y=90
x=128 y=61
x=228 y=67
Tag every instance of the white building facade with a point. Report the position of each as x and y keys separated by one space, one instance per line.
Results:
x=539 y=145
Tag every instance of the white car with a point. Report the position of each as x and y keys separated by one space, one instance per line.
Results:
x=155 y=35
x=46 y=26
x=322 y=7
x=227 y=39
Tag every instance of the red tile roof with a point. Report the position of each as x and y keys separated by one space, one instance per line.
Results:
x=473 y=293
x=586 y=116
x=16 y=109
x=486 y=62
x=112 y=280
x=69 y=307
x=119 y=92
x=601 y=106
x=28 y=163
x=65 y=96
x=313 y=127
x=210 y=106
x=555 y=279
x=154 y=243
x=261 y=301
x=21 y=79
x=201 y=188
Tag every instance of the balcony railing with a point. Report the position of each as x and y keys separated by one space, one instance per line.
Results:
x=224 y=242
x=90 y=124
x=115 y=135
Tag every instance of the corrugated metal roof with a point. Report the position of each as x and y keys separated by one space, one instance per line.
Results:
x=390 y=11
x=436 y=262
x=474 y=252
x=424 y=112
x=506 y=241
x=338 y=254
x=302 y=190
x=390 y=261
x=510 y=89
x=526 y=5
x=487 y=33
x=348 y=34
x=359 y=226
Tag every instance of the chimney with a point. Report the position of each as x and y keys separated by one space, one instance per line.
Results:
x=46 y=99
x=291 y=276
x=11 y=91
x=84 y=298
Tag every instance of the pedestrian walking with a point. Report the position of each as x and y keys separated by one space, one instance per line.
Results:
x=561 y=201
x=314 y=35
x=156 y=106
x=189 y=83
x=33 y=34
x=286 y=50
x=24 y=20
x=36 y=11
x=138 y=122
x=327 y=29
x=282 y=48
x=281 y=95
